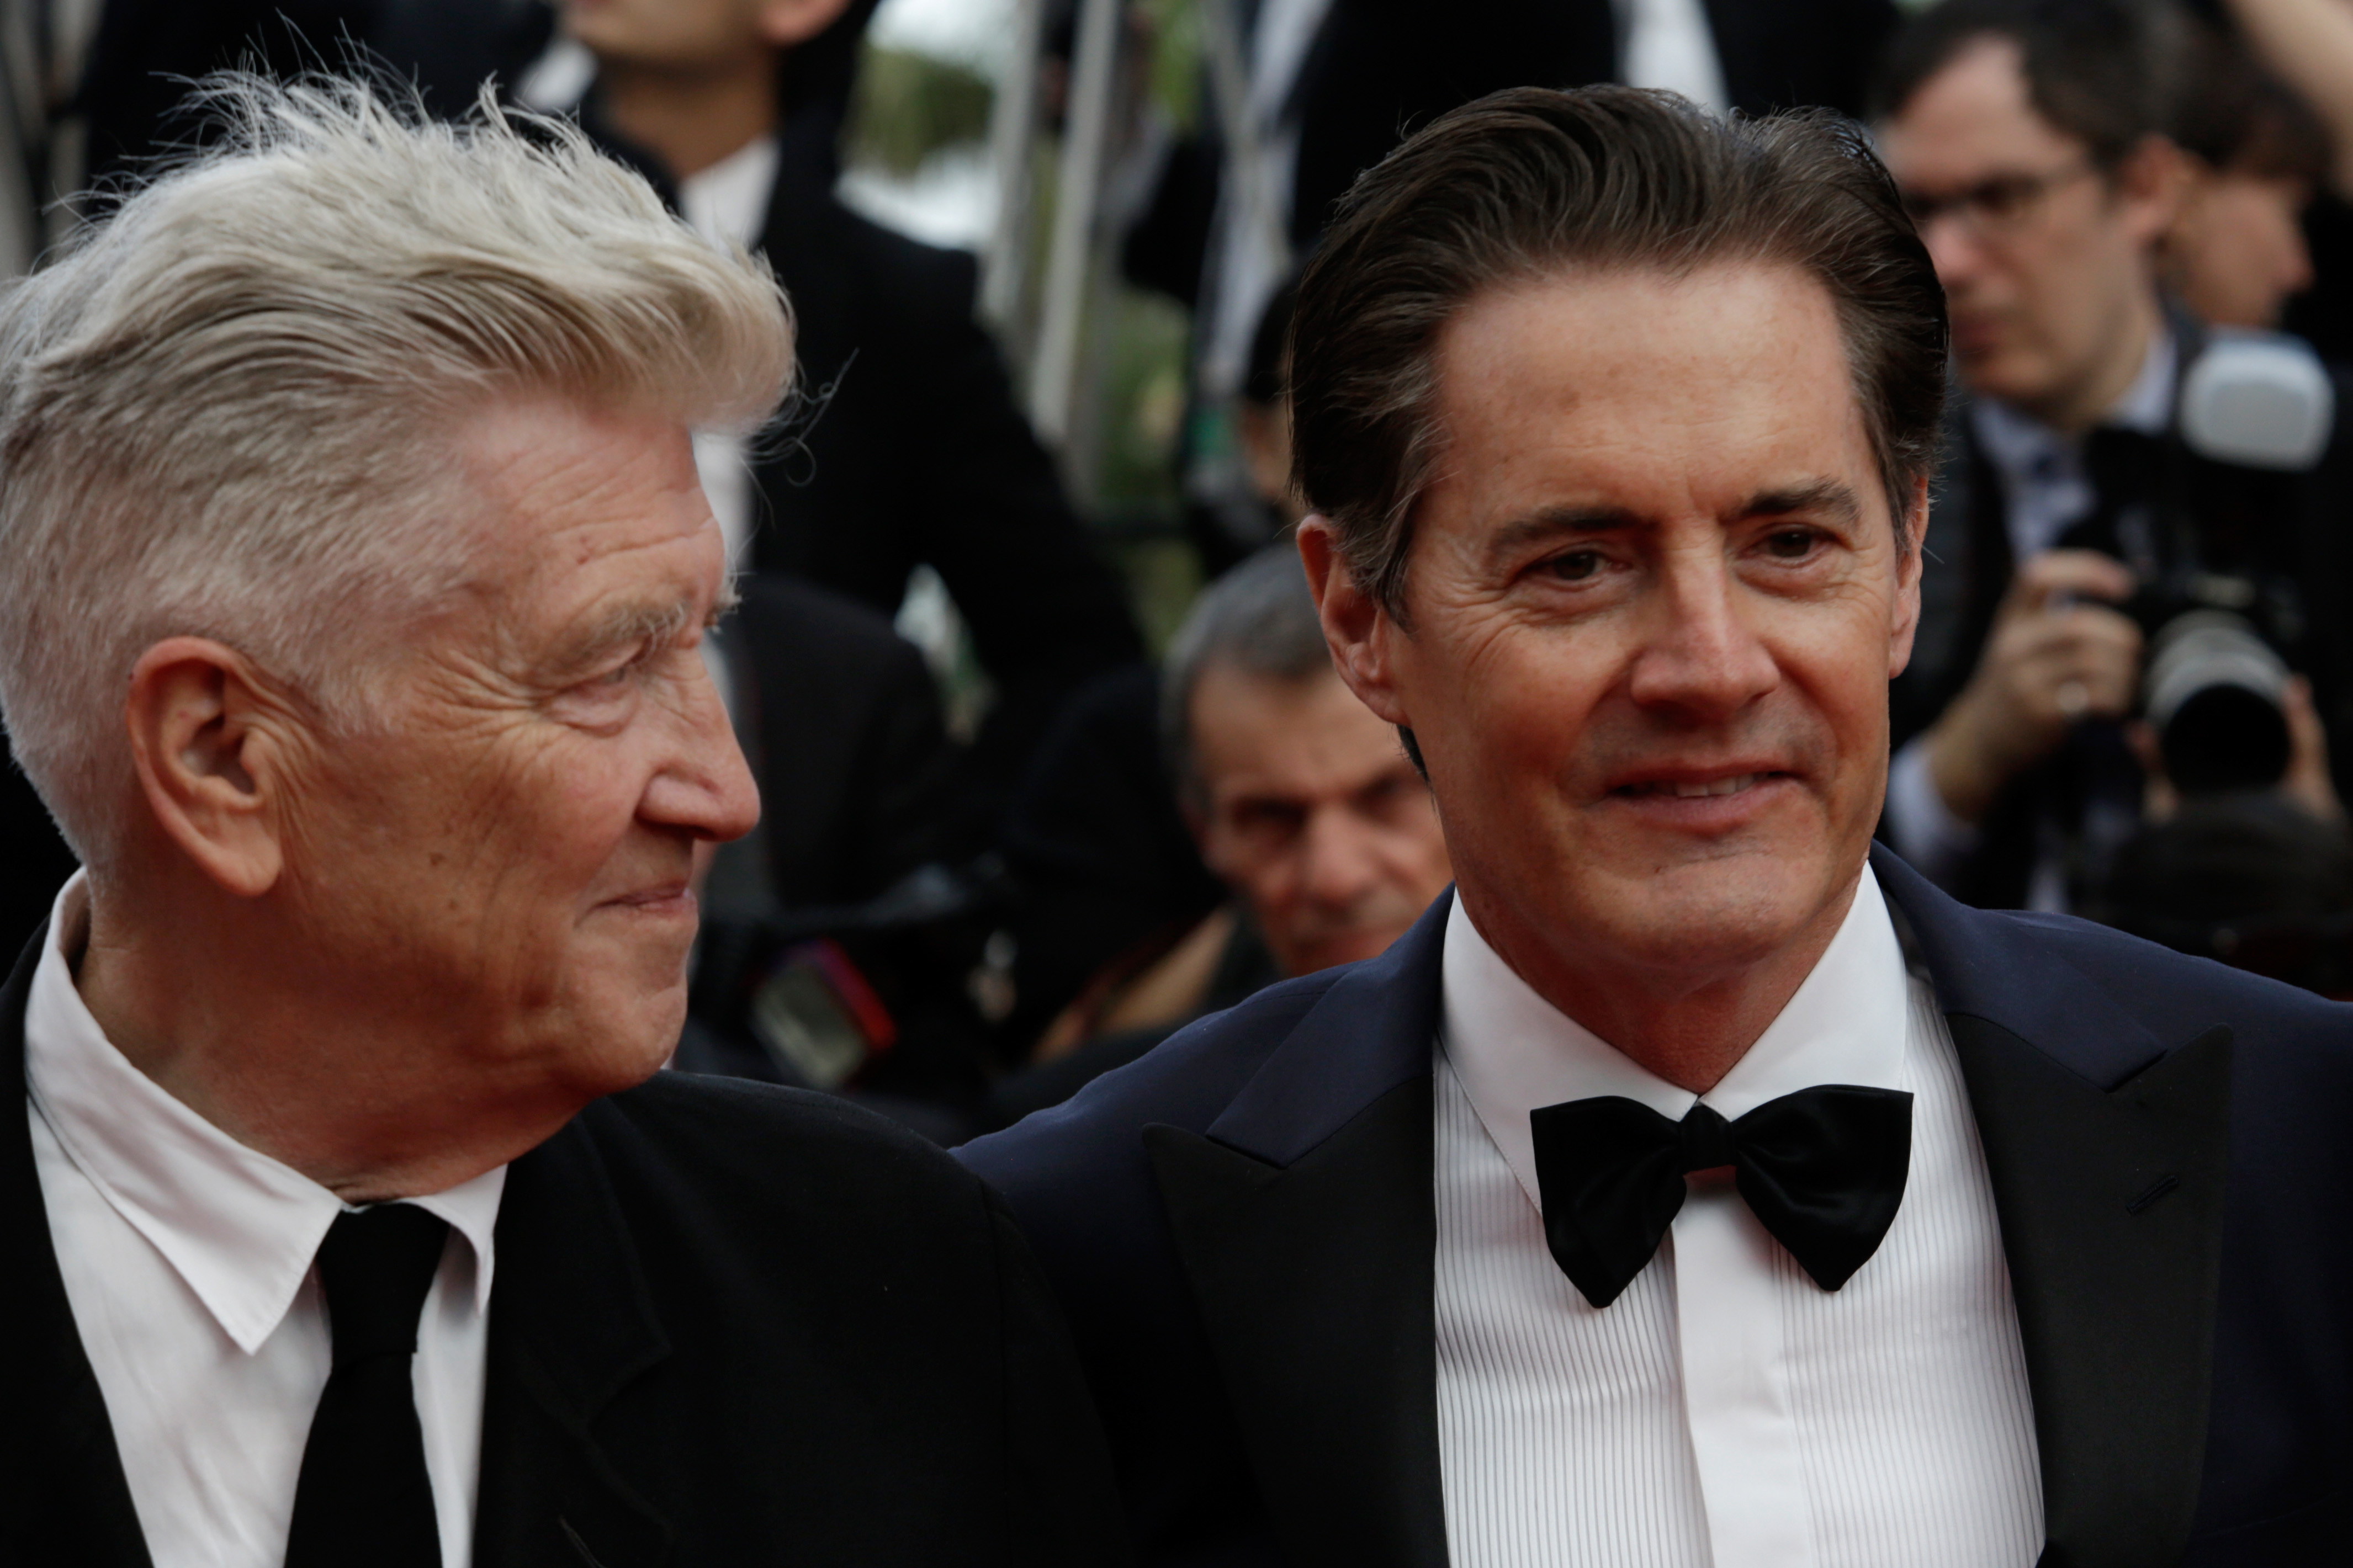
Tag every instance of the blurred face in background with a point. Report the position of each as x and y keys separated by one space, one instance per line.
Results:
x=691 y=34
x=2045 y=258
x=1312 y=814
x=2236 y=252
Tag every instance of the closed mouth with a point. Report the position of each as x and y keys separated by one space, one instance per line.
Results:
x=1696 y=789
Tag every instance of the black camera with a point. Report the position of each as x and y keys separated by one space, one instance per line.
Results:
x=2218 y=601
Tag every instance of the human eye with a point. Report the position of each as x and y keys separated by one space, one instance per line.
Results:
x=1792 y=543
x=1579 y=565
x=2003 y=199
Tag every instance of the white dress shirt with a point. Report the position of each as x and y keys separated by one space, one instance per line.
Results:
x=1669 y=44
x=187 y=1262
x=1724 y=1412
x=2045 y=491
x=727 y=204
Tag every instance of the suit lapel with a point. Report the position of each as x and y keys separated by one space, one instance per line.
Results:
x=571 y=1325
x=2107 y=1149
x=1305 y=1223
x=63 y=1496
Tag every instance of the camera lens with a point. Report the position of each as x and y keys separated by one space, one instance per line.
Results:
x=2213 y=692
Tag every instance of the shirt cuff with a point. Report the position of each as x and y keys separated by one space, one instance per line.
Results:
x=1922 y=827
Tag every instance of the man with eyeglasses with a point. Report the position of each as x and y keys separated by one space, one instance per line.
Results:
x=2026 y=137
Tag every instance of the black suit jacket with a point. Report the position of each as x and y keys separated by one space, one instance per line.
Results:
x=1241 y=1227
x=732 y=1324
x=911 y=451
x=856 y=771
x=1382 y=68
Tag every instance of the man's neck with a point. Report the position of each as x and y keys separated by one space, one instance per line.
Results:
x=318 y=1083
x=692 y=119
x=2088 y=397
x=1687 y=1025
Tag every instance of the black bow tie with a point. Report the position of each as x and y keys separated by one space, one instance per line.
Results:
x=1823 y=1170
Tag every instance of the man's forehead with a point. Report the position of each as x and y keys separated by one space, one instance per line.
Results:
x=1569 y=392
x=1973 y=117
x=1261 y=732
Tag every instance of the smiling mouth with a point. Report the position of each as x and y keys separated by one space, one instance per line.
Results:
x=1695 y=789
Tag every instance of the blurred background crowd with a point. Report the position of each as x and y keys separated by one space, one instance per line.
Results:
x=1052 y=755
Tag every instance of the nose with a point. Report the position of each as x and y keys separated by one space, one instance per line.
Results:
x=1953 y=248
x=1337 y=863
x=1700 y=655
x=706 y=787
x=2296 y=274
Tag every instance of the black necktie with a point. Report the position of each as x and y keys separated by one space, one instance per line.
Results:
x=364 y=1500
x=1823 y=1170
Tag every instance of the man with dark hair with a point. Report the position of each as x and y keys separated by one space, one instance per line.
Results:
x=1696 y=1184
x=2029 y=138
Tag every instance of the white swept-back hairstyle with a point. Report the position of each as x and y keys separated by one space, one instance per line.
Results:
x=229 y=409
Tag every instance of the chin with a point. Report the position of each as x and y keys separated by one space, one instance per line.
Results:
x=618 y=1042
x=1710 y=915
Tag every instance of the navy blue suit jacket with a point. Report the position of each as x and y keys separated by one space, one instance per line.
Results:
x=1241 y=1227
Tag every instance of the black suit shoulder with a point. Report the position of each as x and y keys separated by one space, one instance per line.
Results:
x=854 y=764
x=840 y=1349
x=1184 y=1081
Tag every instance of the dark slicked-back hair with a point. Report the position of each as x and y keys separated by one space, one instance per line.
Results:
x=1532 y=183
x=2105 y=73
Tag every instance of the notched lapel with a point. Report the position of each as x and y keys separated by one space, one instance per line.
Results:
x=571 y=1325
x=2111 y=1203
x=1314 y=1281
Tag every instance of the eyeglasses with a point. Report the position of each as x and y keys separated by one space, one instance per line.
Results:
x=1999 y=206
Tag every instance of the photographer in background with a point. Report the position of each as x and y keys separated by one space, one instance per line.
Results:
x=2109 y=461
x=2256 y=156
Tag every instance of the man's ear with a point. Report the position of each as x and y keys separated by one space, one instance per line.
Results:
x=1360 y=631
x=1909 y=563
x=206 y=736
x=2151 y=184
x=788 y=23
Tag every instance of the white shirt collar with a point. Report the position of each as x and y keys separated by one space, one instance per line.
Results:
x=728 y=202
x=240 y=1227
x=2018 y=444
x=1514 y=1051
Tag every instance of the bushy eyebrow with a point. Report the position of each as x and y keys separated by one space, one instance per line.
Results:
x=1820 y=497
x=649 y=622
x=1823 y=497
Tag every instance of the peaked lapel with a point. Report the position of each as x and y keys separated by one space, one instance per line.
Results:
x=63 y=1496
x=2108 y=1147
x=571 y=1325
x=1305 y=1222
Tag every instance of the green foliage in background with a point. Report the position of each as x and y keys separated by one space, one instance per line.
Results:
x=909 y=106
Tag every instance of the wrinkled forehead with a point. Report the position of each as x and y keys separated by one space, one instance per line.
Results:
x=585 y=515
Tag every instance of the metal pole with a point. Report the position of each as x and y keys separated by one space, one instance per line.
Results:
x=1078 y=192
x=1012 y=139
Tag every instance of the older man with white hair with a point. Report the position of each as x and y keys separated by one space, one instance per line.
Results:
x=354 y=572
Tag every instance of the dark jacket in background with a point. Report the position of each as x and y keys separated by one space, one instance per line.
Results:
x=733 y=1325
x=1380 y=70
x=841 y=719
x=910 y=450
x=1242 y=1228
